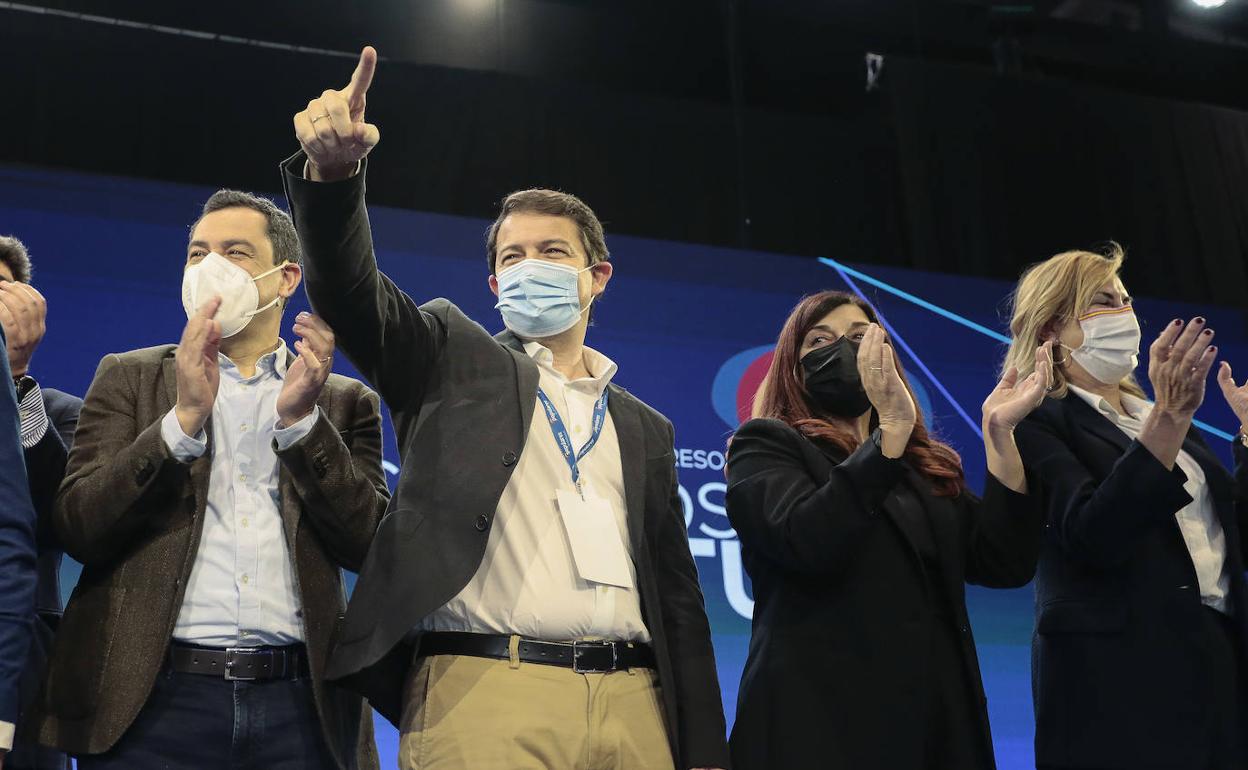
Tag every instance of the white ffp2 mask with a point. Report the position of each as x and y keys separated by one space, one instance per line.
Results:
x=240 y=299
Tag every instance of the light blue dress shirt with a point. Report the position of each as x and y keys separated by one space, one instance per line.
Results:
x=242 y=590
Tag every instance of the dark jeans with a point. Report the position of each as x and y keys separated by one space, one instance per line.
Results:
x=197 y=722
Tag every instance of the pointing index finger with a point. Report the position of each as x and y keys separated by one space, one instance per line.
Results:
x=362 y=78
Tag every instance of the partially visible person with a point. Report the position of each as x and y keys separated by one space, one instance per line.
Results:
x=859 y=534
x=48 y=419
x=1138 y=655
x=17 y=562
x=215 y=491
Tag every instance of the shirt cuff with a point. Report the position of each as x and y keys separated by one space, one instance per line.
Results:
x=6 y=735
x=33 y=417
x=307 y=169
x=183 y=448
x=288 y=437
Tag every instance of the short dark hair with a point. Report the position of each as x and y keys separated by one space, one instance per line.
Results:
x=281 y=230
x=557 y=204
x=13 y=253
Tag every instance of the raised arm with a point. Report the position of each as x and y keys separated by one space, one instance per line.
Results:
x=799 y=522
x=380 y=328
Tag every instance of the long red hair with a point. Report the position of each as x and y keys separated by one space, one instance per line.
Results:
x=783 y=397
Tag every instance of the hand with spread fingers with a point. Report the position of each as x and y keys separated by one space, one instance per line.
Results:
x=332 y=130
x=198 y=368
x=1178 y=364
x=1013 y=399
x=23 y=315
x=306 y=376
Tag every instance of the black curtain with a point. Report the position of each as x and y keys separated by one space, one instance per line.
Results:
x=942 y=168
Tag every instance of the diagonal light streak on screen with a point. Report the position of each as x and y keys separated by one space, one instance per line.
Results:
x=845 y=272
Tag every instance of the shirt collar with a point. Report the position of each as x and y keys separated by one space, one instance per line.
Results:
x=1138 y=407
x=601 y=369
x=275 y=362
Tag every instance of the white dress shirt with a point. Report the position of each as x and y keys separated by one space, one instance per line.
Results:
x=241 y=592
x=1198 y=521
x=527 y=583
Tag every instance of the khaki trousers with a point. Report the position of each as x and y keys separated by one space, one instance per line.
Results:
x=485 y=714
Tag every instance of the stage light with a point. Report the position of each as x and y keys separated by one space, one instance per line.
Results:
x=1210 y=3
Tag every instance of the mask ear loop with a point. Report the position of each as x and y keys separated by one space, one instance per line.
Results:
x=276 y=299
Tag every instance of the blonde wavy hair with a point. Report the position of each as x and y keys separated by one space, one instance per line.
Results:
x=1058 y=289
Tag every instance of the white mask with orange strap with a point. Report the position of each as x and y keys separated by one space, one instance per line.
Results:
x=1111 y=344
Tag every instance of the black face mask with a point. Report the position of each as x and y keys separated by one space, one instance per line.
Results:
x=832 y=379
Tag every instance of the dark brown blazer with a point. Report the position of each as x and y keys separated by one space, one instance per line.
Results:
x=133 y=515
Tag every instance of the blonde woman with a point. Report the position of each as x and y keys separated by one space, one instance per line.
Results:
x=1138 y=653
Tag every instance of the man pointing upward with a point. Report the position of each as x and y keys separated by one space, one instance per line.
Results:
x=530 y=600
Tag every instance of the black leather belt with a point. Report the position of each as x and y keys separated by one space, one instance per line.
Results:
x=581 y=657
x=240 y=663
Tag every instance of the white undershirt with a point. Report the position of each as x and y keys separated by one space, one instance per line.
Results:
x=527 y=583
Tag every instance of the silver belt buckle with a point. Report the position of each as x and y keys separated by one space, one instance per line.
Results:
x=230 y=653
x=577 y=646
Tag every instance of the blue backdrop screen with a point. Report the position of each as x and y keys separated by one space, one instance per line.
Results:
x=690 y=326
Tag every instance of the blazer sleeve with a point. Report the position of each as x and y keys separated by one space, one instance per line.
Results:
x=801 y=523
x=339 y=478
x=702 y=729
x=392 y=342
x=46 y=461
x=1097 y=522
x=1241 y=493
x=17 y=552
x=1003 y=540
x=119 y=472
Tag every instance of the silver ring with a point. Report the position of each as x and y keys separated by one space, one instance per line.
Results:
x=877 y=368
x=326 y=359
x=320 y=117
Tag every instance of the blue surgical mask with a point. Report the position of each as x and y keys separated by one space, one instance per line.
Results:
x=539 y=299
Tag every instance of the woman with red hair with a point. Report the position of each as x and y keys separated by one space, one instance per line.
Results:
x=859 y=534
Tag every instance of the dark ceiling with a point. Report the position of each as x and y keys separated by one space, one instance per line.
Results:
x=792 y=55
x=1002 y=130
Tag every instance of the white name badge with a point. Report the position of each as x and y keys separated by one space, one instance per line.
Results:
x=595 y=539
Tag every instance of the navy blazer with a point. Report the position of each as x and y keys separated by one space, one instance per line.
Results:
x=17 y=550
x=1119 y=674
x=45 y=467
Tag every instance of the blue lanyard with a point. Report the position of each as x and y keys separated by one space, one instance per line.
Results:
x=565 y=441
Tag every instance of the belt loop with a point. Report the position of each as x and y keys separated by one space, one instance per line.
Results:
x=513 y=651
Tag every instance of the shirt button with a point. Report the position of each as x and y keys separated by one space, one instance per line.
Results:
x=509 y=459
x=578 y=429
x=243 y=427
x=244 y=522
x=483 y=523
x=242 y=476
x=246 y=580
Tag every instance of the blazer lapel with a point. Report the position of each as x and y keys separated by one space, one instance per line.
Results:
x=1094 y=422
x=527 y=377
x=629 y=432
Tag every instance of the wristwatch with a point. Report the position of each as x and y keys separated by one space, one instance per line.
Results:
x=23 y=385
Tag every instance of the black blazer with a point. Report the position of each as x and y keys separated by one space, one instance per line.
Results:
x=462 y=401
x=1118 y=672
x=836 y=668
x=45 y=469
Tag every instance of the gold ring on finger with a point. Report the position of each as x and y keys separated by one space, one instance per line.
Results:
x=320 y=117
